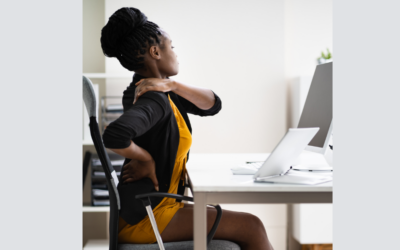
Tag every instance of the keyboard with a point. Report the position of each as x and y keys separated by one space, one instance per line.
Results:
x=247 y=169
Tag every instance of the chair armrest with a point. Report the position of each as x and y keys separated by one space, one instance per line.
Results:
x=160 y=194
x=213 y=230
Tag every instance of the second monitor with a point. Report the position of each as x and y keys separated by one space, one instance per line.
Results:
x=318 y=111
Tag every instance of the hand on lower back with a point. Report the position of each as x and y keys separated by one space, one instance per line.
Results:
x=136 y=170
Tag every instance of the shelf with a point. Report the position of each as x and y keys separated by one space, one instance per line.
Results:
x=108 y=75
x=97 y=244
x=87 y=143
x=95 y=209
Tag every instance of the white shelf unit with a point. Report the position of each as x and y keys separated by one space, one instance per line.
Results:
x=312 y=223
x=87 y=143
x=91 y=209
x=97 y=244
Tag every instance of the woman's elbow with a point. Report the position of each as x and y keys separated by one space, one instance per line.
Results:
x=214 y=109
x=112 y=141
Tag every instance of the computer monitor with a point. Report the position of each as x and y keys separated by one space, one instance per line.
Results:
x=317 y=111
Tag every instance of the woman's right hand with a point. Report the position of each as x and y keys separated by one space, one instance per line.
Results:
x=136 y=170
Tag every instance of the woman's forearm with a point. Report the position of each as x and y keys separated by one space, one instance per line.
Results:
x=133 y=152
x=202 y=98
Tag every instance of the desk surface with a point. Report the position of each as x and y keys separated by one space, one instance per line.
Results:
x=213 y=183
x=211 y=173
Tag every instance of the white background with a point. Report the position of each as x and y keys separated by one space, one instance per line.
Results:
x=41 y=142
x=247 y=52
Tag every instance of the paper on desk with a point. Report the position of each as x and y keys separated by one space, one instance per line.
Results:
x=311 y=174
x=242 y=179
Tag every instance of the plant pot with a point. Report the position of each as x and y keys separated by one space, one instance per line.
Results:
x=322 y=60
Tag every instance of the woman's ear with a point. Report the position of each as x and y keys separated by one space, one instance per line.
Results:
x=154 y=52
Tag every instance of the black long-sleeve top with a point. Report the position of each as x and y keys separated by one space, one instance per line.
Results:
x=150 y=124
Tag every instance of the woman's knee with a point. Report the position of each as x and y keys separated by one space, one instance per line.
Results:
x=246 y=228
x=254 y=224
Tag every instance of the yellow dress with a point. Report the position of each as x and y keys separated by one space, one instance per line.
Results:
x=142 y=232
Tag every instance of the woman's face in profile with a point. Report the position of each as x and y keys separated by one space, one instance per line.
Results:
x=168 y=64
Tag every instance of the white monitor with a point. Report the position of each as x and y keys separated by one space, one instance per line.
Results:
x=318 y=111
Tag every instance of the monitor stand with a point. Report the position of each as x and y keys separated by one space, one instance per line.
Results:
x=312 y=161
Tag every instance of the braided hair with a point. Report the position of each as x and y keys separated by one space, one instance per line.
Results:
x=126 y=36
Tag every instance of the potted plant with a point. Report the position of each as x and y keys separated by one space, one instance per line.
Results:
x=325 y=58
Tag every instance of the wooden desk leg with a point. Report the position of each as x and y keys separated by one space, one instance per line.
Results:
x=200 y=221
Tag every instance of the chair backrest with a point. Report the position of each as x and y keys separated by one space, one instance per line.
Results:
x=89 y=98
x=86 y=162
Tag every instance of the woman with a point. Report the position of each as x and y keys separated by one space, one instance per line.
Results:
x=154 y=135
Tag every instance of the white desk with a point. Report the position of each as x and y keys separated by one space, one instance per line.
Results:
x=213 y=183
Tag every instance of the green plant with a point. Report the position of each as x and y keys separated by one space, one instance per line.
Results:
x=326 y=56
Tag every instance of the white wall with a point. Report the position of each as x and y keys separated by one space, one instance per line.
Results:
x=93 y=60
x=235 y=48
x=92 y=23
x=308 y=31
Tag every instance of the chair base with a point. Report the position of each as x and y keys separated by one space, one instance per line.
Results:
x=181 y=245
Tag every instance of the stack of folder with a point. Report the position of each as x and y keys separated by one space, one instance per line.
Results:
x=110 y=112
x=100 y=196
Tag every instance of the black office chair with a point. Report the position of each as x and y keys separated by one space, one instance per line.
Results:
x=112 y=183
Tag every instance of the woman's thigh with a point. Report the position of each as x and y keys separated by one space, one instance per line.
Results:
x=243 y=228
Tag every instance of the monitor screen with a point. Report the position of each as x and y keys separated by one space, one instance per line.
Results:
x=317 y=111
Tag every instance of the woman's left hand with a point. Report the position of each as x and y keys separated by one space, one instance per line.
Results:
x=153 y=84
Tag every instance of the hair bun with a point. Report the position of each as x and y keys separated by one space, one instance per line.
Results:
x=129 y=17
x=120 y=24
